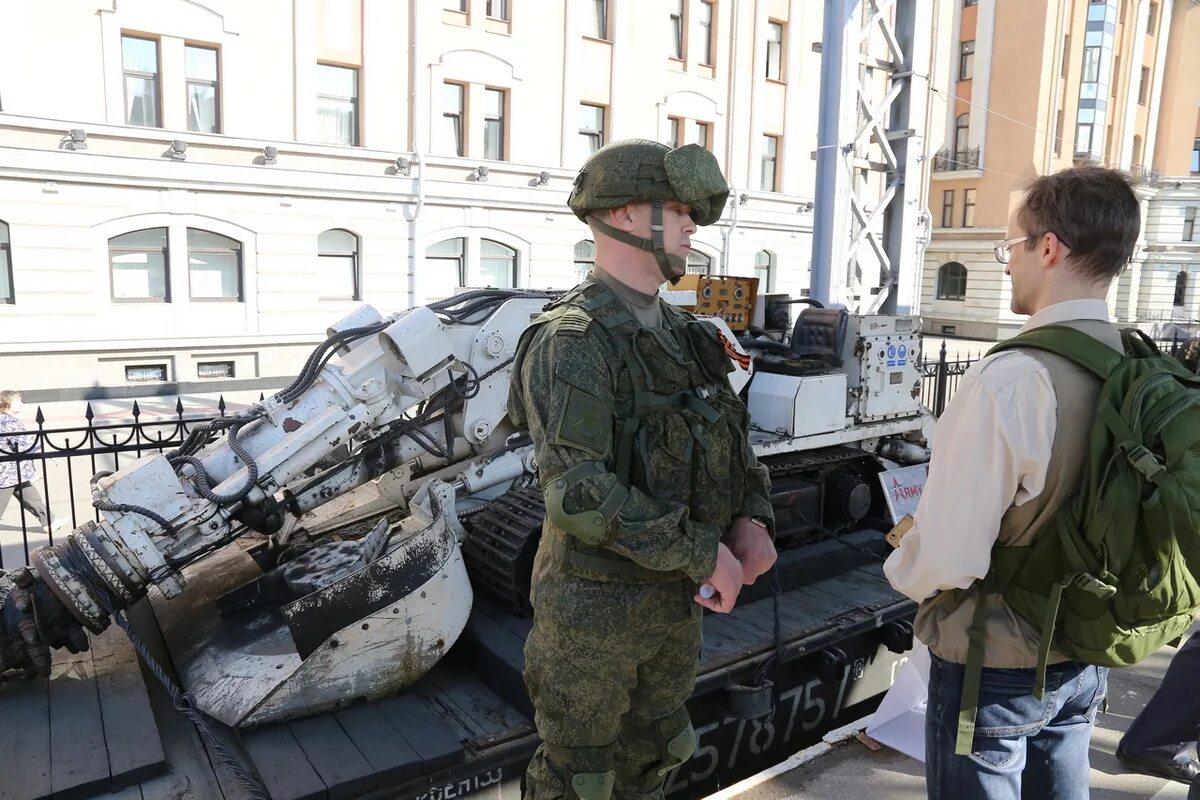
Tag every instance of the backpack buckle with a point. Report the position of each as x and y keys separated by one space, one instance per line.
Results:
x=1144 y=461
x=1093 y=585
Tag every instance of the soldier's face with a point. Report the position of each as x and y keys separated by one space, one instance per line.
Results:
x=678 y=226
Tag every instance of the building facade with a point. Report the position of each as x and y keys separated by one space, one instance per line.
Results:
x=192 y=192
x=1035 y=87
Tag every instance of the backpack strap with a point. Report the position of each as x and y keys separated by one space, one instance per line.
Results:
x=968 y=706
x=1074 y=345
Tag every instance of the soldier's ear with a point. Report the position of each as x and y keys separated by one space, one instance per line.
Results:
x=623 y=217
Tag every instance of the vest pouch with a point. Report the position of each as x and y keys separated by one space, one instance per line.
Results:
x=663 y=455
x=706 y=341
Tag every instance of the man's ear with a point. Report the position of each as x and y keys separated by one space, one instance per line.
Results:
x=621 y=218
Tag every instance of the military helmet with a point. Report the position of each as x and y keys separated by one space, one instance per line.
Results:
x=639 y=170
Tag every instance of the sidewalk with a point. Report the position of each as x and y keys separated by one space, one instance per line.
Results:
x=848 y=770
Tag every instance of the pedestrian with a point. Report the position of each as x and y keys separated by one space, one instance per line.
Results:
x=1008 y=453
x=1162 y=738
x=652 y=491
x=17 y=477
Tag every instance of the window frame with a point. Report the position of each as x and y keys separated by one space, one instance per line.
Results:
x=589 y=136
x=602 y=19
x=1179 y=300
x=356 y=265
x=966 y=60
x=460 y=258
x=6 y=255
x=514 y=269
x=505 y=14
x=354 y=102
x=679 y=31
x=700 y=260
x=773 y=158
x=947 y=274
x=156 y=77
x=1144 y=87
x=215 y=84
x=781 y=46
x=461 y=131
x=502 y=124
x=166 y=262
x=580 y=262
x=708 y=57
x=705 y=129
x=675 y=131
x=1196 y=157
x=769 y=268
x=962 y=138
x=968 y=215
x=948 y=208
x=239 y=250
x=1189 y=223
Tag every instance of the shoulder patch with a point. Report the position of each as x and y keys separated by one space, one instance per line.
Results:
x=573 y=322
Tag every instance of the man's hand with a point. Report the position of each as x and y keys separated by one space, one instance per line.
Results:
x=751 y=544
x=726 y=582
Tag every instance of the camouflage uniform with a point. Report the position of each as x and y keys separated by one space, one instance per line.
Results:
x=642 y=452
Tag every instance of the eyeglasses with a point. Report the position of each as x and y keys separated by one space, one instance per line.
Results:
x=1003 y=250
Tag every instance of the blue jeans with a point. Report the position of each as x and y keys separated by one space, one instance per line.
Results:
x=1024 y=747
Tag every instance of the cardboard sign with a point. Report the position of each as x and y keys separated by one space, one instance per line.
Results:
x=902 y=487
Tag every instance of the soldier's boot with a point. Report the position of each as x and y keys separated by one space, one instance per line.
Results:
x=571 y=773
x=648 y=753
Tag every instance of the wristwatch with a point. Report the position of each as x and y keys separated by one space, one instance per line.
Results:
x=760 y=522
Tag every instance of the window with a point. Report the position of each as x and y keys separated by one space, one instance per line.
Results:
x=764 y=271
x=1116 y=75
x=1123 y=4
x=1091 y=64
x=7 y=296
x=770 y=157
x=1058 y=126
x=337 y=254
x=455 y=5
x=138 y=262
x=1152 y=19
x=675 y=132
x=962 y=138
x=698 y=264
x=493 y=124
x=968 y=218
x=707 y=56
x=591 y=129
x=497 y=9
x=775 y=51
x=1144 y=88
x=585 y=258
x=146 y=373
x=677 y=29
x=497 y=266
x=969 y=3
x=139 y=59
x=952 y=281
x=448 y=264
x=1083 y=138
x=704 y=135
x=1196 y=156
x=203 y=98
x=214 y=369
x=214 y=266
x=1189 y=223
x=1064 y=68
x=948 y=208
x=452 y=115
x=597 y=18
x=1180 y=289
x=1108 y=140
x=966 y=61
x=337 y=104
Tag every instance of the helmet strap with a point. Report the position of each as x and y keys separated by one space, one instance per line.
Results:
x=668 y=264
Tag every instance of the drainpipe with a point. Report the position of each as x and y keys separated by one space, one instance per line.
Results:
x=416 y=75
x=727 y=231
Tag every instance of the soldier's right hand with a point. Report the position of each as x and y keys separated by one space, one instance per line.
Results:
x=726 y=582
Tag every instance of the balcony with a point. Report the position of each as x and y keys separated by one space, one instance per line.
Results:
x=944 y=161
x=1143 y=174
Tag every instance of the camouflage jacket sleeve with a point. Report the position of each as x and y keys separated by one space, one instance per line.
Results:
x=562 y=393
x=757 y=502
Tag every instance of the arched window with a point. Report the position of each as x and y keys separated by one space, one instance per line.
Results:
x=214 y=266
x=764 y=270
x=585 y=258
x=497 y=265
x=952 y=281
x=138 y=264
x=1181 y=281
x=7 y=296
x=337 y=252
x=698 y=263
x=962 y=136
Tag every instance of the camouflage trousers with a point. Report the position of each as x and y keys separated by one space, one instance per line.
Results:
x=609 y=666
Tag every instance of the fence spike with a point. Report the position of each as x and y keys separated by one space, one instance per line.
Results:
x=179 y=406
x=261 y=397
x=943 y=351
x=221 y=404
x=39 y=417
x=88 y=414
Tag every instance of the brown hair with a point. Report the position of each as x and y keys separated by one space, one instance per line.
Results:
x=6 y=399
x=1092 y=210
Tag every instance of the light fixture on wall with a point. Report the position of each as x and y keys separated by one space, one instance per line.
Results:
x=270 y=154
x=75 y=139
x=402 y=165
x=542 y=178
x=743 y=198
x=804 y=208
x=178 y=150
x=479 y=174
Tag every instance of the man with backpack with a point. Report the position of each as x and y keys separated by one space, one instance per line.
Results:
x=1032 y=552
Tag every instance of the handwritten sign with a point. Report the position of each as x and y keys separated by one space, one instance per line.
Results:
x=902 y=487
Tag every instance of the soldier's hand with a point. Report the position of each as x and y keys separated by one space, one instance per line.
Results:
x=751 y=545
x=726 y=582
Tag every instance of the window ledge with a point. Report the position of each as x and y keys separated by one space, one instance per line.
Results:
x=956 y=174
x=776 y=81
x=587 y=38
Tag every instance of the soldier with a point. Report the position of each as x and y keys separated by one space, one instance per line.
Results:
x=651 y=486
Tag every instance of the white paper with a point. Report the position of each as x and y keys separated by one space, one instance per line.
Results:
x=899 y=722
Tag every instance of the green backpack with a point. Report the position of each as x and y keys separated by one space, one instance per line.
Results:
x=1113 y=576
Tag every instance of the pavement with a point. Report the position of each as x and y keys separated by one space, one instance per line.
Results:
x=843 y=767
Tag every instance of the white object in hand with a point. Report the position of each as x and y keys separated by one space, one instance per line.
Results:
x=707 y=591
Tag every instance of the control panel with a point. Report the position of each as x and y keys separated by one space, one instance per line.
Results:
x=730 y=298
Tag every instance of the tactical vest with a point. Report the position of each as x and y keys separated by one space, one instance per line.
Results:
x=679 y=431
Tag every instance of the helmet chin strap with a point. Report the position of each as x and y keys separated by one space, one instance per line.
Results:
x=672 y=266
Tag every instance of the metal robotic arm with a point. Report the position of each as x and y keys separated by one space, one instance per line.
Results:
x=425 y=388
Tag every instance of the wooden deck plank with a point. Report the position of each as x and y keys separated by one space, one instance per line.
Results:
x=485 y=715
x=78 y=756
x=389 y=753
x=130 y=732
x=24 y=737
x=422 y=727
x=283 y=765
x=333 y=755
